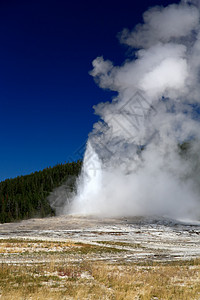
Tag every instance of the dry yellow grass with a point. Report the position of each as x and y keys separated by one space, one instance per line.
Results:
x=101 y=281
x=86 y=278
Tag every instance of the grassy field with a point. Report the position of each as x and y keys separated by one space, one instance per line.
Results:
x=67 y=270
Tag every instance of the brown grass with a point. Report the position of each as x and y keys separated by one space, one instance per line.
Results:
x=58 y=278
x=100 y=281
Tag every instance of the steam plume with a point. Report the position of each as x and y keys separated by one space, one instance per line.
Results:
x=133 y=164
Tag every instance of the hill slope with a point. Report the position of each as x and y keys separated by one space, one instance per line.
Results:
x=26 y=196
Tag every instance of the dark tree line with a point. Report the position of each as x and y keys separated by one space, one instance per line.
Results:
x=26 y=196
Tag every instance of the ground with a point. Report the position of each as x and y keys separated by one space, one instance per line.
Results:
x=77 y=257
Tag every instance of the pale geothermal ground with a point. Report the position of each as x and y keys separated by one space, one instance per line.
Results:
x=76 y=257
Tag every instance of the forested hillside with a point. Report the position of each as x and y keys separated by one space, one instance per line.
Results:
x=26 y=196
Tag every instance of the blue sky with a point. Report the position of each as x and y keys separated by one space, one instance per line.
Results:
x=46 y=92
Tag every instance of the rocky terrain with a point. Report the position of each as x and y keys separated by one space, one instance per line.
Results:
x=86 y=257
x=131 y=239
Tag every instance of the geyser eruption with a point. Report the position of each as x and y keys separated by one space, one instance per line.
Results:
x=134 y=164
x=89 y=183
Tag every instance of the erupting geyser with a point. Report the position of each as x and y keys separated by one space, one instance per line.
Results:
x=133 y=164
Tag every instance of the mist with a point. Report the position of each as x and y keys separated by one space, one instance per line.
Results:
x=133 y=164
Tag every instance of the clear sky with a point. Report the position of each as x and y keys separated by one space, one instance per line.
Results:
x=46 y=92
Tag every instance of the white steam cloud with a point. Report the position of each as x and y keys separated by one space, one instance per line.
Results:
x=133 y=164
